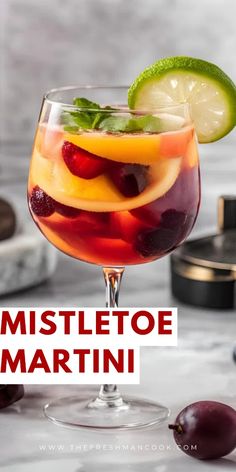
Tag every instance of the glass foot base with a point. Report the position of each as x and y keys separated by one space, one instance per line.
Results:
x=128 y=413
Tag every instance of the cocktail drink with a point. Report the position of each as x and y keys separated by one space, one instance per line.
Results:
x=115 y=198
x=116 y=185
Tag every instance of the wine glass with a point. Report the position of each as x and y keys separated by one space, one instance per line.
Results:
x=118 y=189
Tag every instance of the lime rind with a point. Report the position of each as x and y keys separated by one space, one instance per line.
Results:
x=203 y=71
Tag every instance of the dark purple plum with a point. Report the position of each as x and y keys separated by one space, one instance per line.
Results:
x=206 y=430
x=10 y=394
x=7 y=220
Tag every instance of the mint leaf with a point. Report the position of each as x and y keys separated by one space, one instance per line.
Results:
x=85 y=103
x=91 y=115
x=88 y=117
x=147 y=123
x=71 y=129
x=76 y=120
x=98 y=118
x=114 y=123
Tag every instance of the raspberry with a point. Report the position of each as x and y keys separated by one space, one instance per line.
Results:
x=173 y=219
x=40 y=203
x=154 y=243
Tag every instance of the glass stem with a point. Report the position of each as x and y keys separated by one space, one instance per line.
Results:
x=109 y=394
x=113 y=277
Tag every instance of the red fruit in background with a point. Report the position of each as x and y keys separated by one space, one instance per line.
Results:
x=206 y=430
x=130 y=179
x=82 y=163
x=40 y=203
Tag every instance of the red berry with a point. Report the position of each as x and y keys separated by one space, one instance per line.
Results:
x=82 y=163
x=155 y=243
x=130 y=179
x=173 y=219
x=40 y=203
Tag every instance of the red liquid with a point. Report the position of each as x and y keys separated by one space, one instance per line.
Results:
x=135 y=236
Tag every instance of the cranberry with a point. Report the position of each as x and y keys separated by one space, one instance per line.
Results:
x=40 y=203
x=82 y=163
x=130 y=179
x=153 y=243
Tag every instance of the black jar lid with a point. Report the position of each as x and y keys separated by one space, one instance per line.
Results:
x=203 y=271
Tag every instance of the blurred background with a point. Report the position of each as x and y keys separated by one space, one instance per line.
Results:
x=47 y=44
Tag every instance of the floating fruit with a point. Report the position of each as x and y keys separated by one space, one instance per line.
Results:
x=87 y=223
x=135 y=148
x=206 y=430
x=127 y=148
x=126 y=226
x=130 y=179
x=82 y=163
x=92 y=195
x=40 y=203
x=155 y=242
x=173 y=219
x=65 y=210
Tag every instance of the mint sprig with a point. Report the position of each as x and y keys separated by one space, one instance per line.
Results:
x=91 y=115
x=125 y=124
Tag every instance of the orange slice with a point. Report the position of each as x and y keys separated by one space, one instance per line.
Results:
x=127 y=148
x=143 y=149
x=99 y=194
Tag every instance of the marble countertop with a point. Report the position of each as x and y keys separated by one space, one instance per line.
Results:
x=201 y=367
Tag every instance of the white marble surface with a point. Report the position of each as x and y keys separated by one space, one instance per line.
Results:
x=200 y=368
x=26 y=260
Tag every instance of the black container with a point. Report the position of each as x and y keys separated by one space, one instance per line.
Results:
x=10 y=394
x=203 y=271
